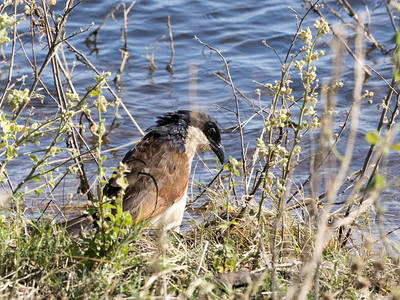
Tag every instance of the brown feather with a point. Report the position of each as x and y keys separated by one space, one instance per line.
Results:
x=158 y=170
x=157 y=179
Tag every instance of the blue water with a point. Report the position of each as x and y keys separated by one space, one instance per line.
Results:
x=237 y=29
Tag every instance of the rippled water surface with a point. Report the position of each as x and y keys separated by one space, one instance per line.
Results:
x=237 y=29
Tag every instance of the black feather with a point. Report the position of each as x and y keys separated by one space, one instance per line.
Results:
x=172 y=128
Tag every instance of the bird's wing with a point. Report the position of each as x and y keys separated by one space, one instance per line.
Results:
x=157 y=179
x=79 y=224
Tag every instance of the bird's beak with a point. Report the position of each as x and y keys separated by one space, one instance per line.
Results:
x=219 y=151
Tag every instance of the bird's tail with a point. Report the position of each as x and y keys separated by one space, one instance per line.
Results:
x=80 y=224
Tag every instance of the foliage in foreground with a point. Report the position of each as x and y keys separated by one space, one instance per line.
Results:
x=266 y=235
x=50 y=264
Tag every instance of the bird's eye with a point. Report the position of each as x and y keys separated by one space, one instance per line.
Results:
x=212 y=131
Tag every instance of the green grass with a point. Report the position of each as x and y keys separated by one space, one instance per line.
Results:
x=51 y=264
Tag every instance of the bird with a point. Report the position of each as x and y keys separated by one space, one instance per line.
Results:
x=158 y=169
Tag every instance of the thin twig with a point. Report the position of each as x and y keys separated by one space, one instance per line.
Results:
x=340 y=38
x=125 y=57
x=150 y=59
x=124 y=50
x=80 y=54
x=53 y=48
x=10 y=71
x=171 y=62
x=347 y=7
x=203 y=254
x=237 y=112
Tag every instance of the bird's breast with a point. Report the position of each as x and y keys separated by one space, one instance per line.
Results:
x=171 y=218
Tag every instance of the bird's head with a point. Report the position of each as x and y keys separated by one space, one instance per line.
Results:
x=204 y=134
x=190 y=132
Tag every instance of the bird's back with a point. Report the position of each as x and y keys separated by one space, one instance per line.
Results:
x=157 y=178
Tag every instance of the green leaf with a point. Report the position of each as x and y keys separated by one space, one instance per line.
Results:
x=103 y=171
x=372 y=137
x=19 y=128
x=233 y=222
x=122 y=182
x=127 y=219
x=396 y=147
x=89 y=211
x=36 y=178
x=379 y=181
x=110 y=216
x=38 y=192
x=9 y=151
x=34 y=158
